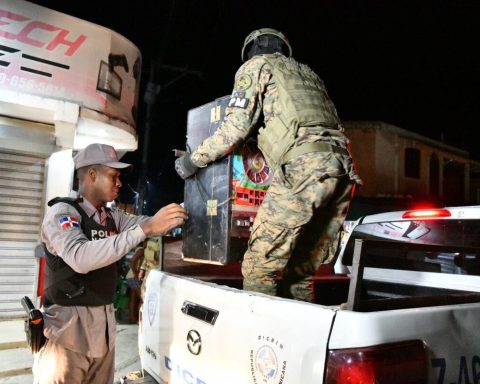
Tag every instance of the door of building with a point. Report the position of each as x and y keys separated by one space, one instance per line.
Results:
x=21 y=201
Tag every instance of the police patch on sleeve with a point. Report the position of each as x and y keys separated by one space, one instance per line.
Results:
x=243 y=82
x=238 y=100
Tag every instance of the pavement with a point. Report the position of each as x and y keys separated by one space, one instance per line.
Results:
x=16 y=360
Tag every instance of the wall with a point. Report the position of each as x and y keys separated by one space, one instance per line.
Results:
x=363 y=148
x=379 y=153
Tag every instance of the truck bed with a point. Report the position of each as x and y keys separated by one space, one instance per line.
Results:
x=330 y=288
x=217 y=334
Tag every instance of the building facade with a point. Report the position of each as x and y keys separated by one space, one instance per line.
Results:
x=64 y=83
x=396 y=163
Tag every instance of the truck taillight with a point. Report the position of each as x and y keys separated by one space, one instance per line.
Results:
x=396 y=363
x=426 y=214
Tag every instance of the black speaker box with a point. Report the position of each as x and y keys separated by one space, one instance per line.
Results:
x=221 y=199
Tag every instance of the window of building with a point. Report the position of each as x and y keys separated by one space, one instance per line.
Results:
x=412 y=162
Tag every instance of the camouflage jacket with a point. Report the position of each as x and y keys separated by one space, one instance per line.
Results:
x=254 y=97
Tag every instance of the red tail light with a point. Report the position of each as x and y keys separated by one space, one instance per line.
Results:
x=426 y=213
x=396 y=363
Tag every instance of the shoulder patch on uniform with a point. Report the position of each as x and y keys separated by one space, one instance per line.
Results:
x=238 y=101
x=243 y=82
x=68 y=222
x=238 y=94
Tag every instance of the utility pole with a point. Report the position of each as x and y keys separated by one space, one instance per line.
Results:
x=150 y=98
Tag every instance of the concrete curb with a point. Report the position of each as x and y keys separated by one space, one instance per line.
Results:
x=13 y=345
x=16 y=372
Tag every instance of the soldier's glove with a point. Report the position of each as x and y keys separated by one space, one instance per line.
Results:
x=184 y=166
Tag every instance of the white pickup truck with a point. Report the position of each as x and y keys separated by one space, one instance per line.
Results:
x=402 y=307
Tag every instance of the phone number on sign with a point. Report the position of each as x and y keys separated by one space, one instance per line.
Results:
x=31 y=85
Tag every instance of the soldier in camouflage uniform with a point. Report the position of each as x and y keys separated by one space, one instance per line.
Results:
x=300 y=135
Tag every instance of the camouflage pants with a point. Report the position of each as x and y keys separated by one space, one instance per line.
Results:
x=296 y=224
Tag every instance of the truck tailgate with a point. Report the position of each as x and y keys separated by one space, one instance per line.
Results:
x=450 y=334
x=200 y=333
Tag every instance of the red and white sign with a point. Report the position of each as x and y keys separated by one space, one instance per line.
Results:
x=47 y=53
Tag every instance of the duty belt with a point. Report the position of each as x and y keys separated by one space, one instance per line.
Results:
x=313 y=147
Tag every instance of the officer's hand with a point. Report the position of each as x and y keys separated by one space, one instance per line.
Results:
x=184 y=166
x=166 y=219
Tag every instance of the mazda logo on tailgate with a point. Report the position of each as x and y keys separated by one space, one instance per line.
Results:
x=194 y=342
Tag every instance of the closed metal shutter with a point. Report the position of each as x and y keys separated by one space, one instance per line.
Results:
x=21 y=194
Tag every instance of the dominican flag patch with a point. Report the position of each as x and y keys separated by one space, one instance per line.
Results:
x=68 y=222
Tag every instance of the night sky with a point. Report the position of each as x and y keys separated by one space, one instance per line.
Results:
x=413 y=64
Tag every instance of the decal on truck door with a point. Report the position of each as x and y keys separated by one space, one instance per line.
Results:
x=181 y=374
x=267 y=363
x=467 y=369
x=152 y=307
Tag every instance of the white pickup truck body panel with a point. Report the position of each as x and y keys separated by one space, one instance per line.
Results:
x=258 y=339
x=424 y=279
x=288 y=340
x=285 y=340
x=449 y=332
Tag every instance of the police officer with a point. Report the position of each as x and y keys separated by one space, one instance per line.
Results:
x=83 y=241
x=285 y=104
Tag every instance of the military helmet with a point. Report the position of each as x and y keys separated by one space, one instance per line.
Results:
x=265 y=31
